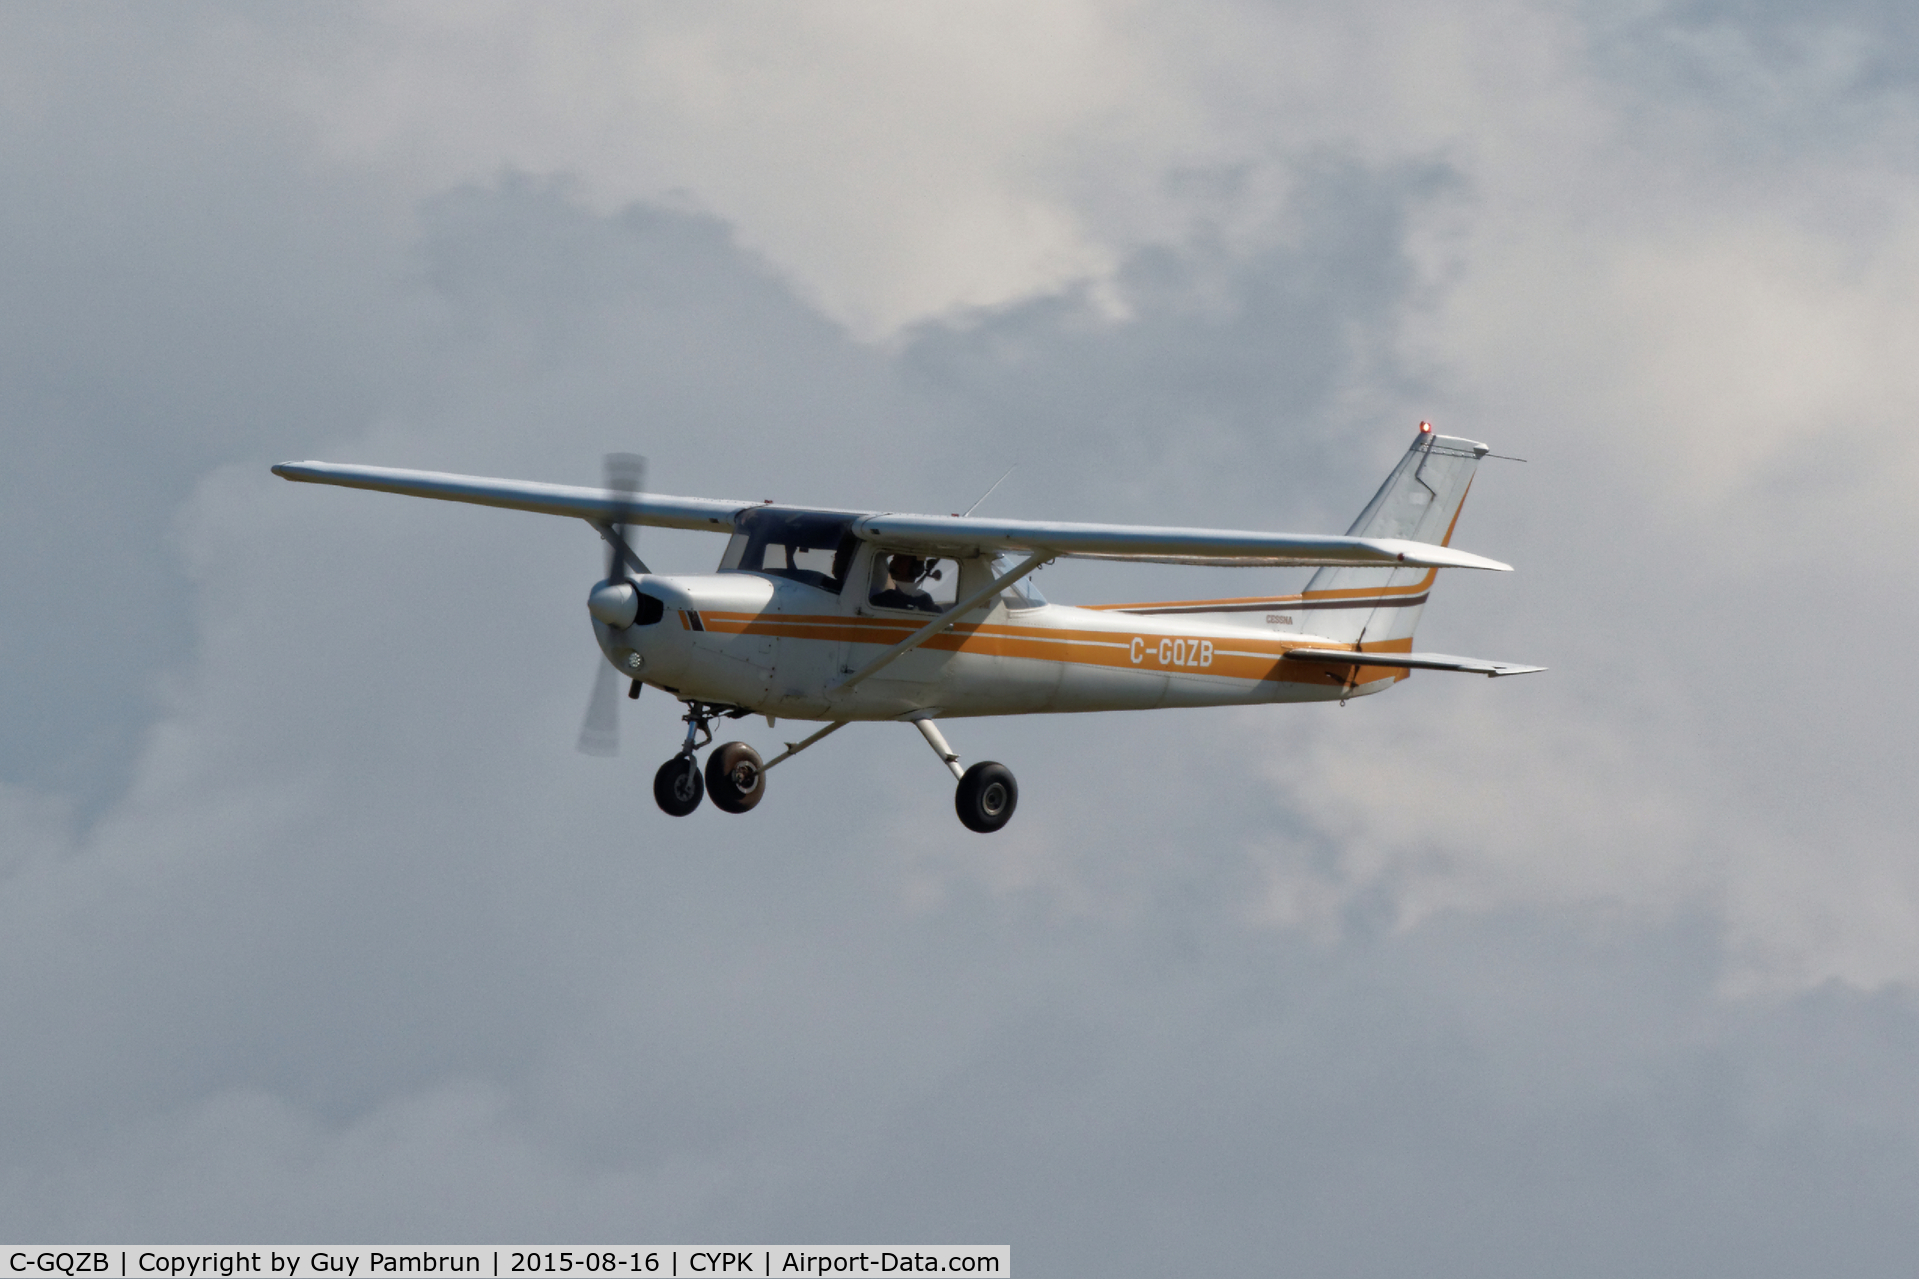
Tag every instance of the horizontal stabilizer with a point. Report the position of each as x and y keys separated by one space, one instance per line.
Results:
x=1409 y=661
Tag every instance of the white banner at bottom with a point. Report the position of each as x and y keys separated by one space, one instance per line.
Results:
x=626 y=1261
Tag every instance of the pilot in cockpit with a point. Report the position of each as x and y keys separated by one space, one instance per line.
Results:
x=902 y=591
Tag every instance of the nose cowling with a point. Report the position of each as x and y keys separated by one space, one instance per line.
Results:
x=615 y=603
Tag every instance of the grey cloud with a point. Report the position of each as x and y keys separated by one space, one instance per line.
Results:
x=1232 y=385
x=1771 y=83
x=181 y=288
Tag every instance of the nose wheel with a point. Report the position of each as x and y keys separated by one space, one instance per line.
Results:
x=677 y=787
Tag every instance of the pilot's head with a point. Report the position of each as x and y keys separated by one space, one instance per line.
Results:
x=906 y=569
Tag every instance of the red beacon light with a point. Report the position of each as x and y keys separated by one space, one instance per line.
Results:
x=1425 y=428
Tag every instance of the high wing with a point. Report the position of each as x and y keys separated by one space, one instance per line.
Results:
x=595 y=506
x=930 y=534
x=1410 y=661
x=1145 y=542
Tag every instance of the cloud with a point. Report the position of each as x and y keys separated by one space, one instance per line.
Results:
x=1609 y=967
x=896 y=161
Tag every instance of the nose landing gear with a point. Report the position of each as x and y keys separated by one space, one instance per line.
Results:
x=734 y=775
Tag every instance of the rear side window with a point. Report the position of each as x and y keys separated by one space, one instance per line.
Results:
x=1022 y=594
x=801 y=546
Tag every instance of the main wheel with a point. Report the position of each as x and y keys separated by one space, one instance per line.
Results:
x=734 y=777
x=986 y=797
x=677 y=786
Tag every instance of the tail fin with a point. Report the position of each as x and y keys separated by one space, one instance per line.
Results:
x=1419 y=501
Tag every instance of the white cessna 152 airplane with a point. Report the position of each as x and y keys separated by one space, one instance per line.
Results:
x=838 y=616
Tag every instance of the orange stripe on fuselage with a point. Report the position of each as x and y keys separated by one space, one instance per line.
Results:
x=1246 y=657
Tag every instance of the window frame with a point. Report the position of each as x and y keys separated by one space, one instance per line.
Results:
x=757 y=529
x=876 y=566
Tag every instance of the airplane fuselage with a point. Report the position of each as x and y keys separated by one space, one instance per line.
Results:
x=778 y=647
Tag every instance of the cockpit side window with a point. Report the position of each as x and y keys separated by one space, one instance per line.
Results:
x=801 y=546
x=911 y=582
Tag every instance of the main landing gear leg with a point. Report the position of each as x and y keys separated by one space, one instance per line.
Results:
x=987 y=793
x=937 y=740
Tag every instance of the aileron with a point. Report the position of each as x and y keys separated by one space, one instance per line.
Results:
x=591 y=504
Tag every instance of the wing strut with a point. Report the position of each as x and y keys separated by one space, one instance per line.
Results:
x=945 y=621
x=619 y=547
x=794 y=748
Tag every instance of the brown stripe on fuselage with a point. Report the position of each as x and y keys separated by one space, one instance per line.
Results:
x=1253 y=657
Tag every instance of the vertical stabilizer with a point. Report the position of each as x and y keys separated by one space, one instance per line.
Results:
x=1419 y=501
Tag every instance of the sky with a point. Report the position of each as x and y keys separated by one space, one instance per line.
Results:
x=315 y=927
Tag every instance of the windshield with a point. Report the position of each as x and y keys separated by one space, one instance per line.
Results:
x=1021 y=594
x=802 y=546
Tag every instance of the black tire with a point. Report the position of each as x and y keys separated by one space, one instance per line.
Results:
x=677 y=787
x=735 y=779
x=986 y=797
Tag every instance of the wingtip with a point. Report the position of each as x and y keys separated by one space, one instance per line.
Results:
x=1466 y=559
x=1462 y=559
x=1430 y=555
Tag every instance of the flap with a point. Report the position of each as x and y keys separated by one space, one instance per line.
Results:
x=1160 y=545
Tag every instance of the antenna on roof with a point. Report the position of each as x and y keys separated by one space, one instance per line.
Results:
x=989 y=492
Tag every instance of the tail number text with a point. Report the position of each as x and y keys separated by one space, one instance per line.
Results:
x=1173 y=652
